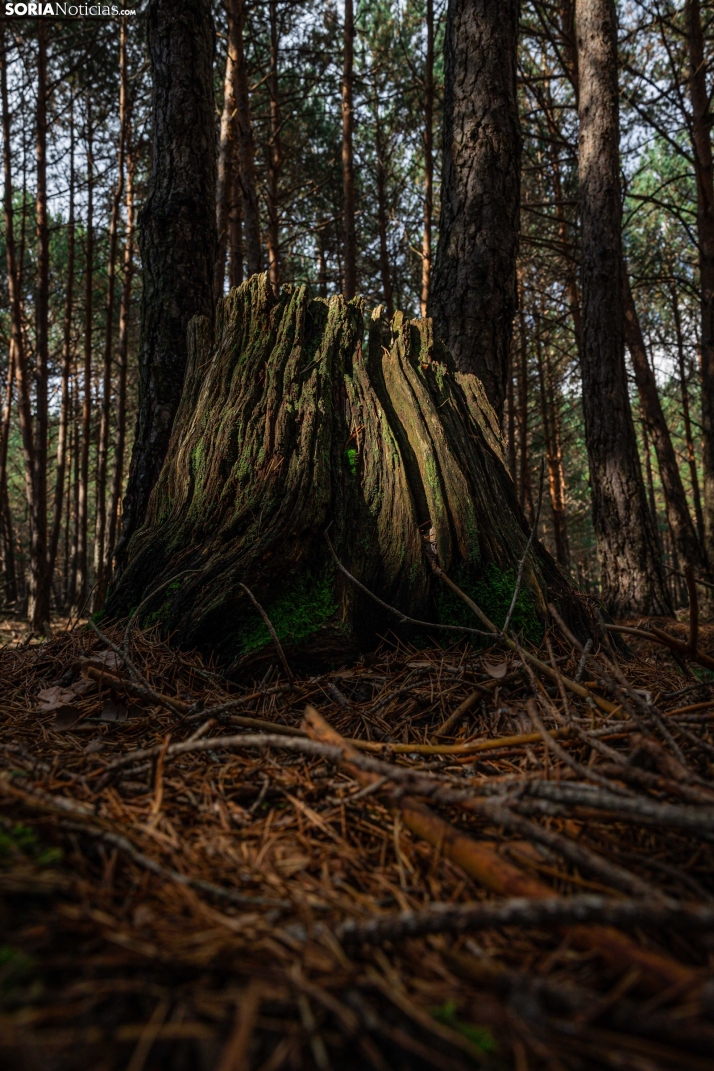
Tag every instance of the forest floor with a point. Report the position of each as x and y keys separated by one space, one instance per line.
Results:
x=197 y=875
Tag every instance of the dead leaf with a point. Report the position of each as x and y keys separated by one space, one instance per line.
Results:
x=65 y=717
x=82 y=686
x=108 y=660
x=112 y=711
x=496 y=669
x=54 y=697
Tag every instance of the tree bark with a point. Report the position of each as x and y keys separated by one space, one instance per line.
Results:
x=235 y=231
x=553 y=452
x=120 y=430
x=348 y=167
x=684 y=535
x=226 y=156
x=511 y=418
x=38 y=610
x=71 y=596
x=82 y=579
x=274 y=154
x=631 y=571
x=382 y=214
x=525 y=493
x=286 y=424
x=321 y=261
x=473 y=287
x=8 y=538
x=177 y=233
x=246 y=149
x=66 y=364
x=571 y=278
x=18 y=354
x=689 y=438
x=100 y=532
x=428 y=158
x=704 y=173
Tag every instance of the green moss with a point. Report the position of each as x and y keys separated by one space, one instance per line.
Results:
x=351 y=459
x=15 y=967
x=492 y=590
x=480 y=1036
x=18 y=840
x=304 y=606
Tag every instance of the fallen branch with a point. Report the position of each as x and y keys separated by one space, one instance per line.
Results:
x=497 y=874
x=403 y=618
x=623 y=808
x=542 y=667
x=520 y=911
x=269 y=625
x=521 y=564
x=84 y=819
x=120 y=684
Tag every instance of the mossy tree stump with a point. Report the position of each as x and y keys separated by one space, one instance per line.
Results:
x=290 y=423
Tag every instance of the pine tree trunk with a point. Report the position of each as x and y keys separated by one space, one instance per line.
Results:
x=100 y=532
x=66 y=364
x=553 y=453
x=679 y=519
x=285 y=427
x=631 y=570
x=274 y=154
x=473 y=287
x=511 y=418
x=120 y=430
x=382 y=217
x=428 y=158
x=17 y=362
x=348 y=167
x=6 y=528
x=177 y=232
x=704 y=173
x=246 y=149
x=38 y=610
x=686 y=417
x=82 y=579
x=224 y=178
x=71 y=597
x=235 y=231
x=14 y=282
x=525 y=492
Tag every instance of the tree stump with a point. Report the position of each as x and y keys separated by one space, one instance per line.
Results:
x=295 y=418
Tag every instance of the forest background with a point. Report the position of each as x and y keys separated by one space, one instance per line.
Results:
x=76 y=104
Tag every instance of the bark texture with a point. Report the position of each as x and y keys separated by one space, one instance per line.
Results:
x=348 y=167
x=683 y=532
x=177 y=229
x=704 y=173
x=101 y=578
x=473 y=289
x=246 y=148
x=226 y=153
x=287 y=425
x=428 y=158
x=274 y=152
x=631 y=571
x=66 y=365
x=80 y=584
x=38 y=607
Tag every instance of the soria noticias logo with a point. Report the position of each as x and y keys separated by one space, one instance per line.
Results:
x=74 y=10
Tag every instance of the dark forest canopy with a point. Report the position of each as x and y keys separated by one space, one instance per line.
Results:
x=324 y=130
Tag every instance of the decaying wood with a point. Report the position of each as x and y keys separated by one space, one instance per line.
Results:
x=288 y=425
